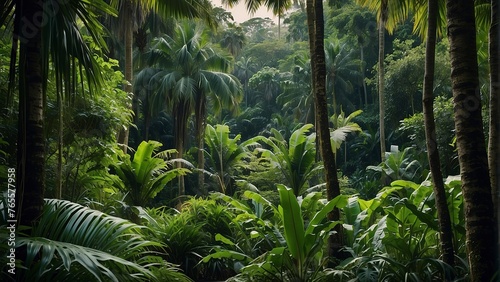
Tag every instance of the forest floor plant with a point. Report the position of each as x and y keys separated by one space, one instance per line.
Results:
x=393 y=237
x=298 y=254
x=75 y=243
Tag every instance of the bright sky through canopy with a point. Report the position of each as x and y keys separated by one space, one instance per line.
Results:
x=240 y=13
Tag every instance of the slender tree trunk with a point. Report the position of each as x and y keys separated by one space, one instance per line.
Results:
x=381 y=50
x=476 y=187
x=494 y=141
x=30 y=172
x=12 y=66
x=181 y=115
x=315 y=24
x=362 y=58
x=200 y=140
x=334 y=96
x=129 y=41
x=279 y=25
x=445 y=230
x=494 y=138
x=147 y=117
x=60 y=138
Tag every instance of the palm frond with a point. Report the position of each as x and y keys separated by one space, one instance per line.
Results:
x=62 y=261
x=72 y=241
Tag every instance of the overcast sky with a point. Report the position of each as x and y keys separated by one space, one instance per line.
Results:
x=240 y=13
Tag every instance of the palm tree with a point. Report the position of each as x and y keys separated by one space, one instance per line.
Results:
x=341 y=71
x=382 y=19
x=277 y=6
x=389 y=13
x=224 y=155
x=244 y=69
x=315 y=23
x=476 y=188
x=189 y=74
x=233 y=39
x=343 y=125
x=295 y=84
x=58 y=20
x=360 y=24
x=430 y=22
x=421 y=19
x=445 y=228
x=130 y=15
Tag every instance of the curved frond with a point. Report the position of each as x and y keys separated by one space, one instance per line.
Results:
x=63 y=37
x=420 y=19
x=75 y=241
x=64 y=261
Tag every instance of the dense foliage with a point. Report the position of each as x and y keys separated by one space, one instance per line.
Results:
x=221 y=178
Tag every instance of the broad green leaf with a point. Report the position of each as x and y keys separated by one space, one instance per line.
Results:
x=219 y=237
x=226 y=254
x=338 y=202
x=421 y=195
x=379 y=234
x=259 y=199
x=293 y=222
x=352 y=210
x=405 y=183
x=426 y=218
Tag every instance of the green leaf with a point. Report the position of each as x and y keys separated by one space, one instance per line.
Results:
x=405 y=183
x=219 y=254
x=338 y=202
x=68 y=234
x=221 y=238
x=293 y=222
x=426 y=218
x=259 y=199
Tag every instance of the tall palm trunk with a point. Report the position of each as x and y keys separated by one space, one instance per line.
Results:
x=493 y=147
x=200 y=140
x=129 y=41
x=30 y=145
x=476 y=188
x=381 y=50
x=334 y=95
x=147 y=116
x=445 y=230
x=59 y=176
x=315 y=24
x=181 y=115
x=362 y=69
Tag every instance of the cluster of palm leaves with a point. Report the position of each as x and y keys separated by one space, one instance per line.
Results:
x=188 y=235
x=225 y=154
x=399 y=165
x=296 y=158
x=143 y=177
x=75 y=242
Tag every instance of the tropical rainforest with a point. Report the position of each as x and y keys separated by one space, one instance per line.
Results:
x=348 y=140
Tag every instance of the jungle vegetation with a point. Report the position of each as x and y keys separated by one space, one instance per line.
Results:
x=350 y=140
